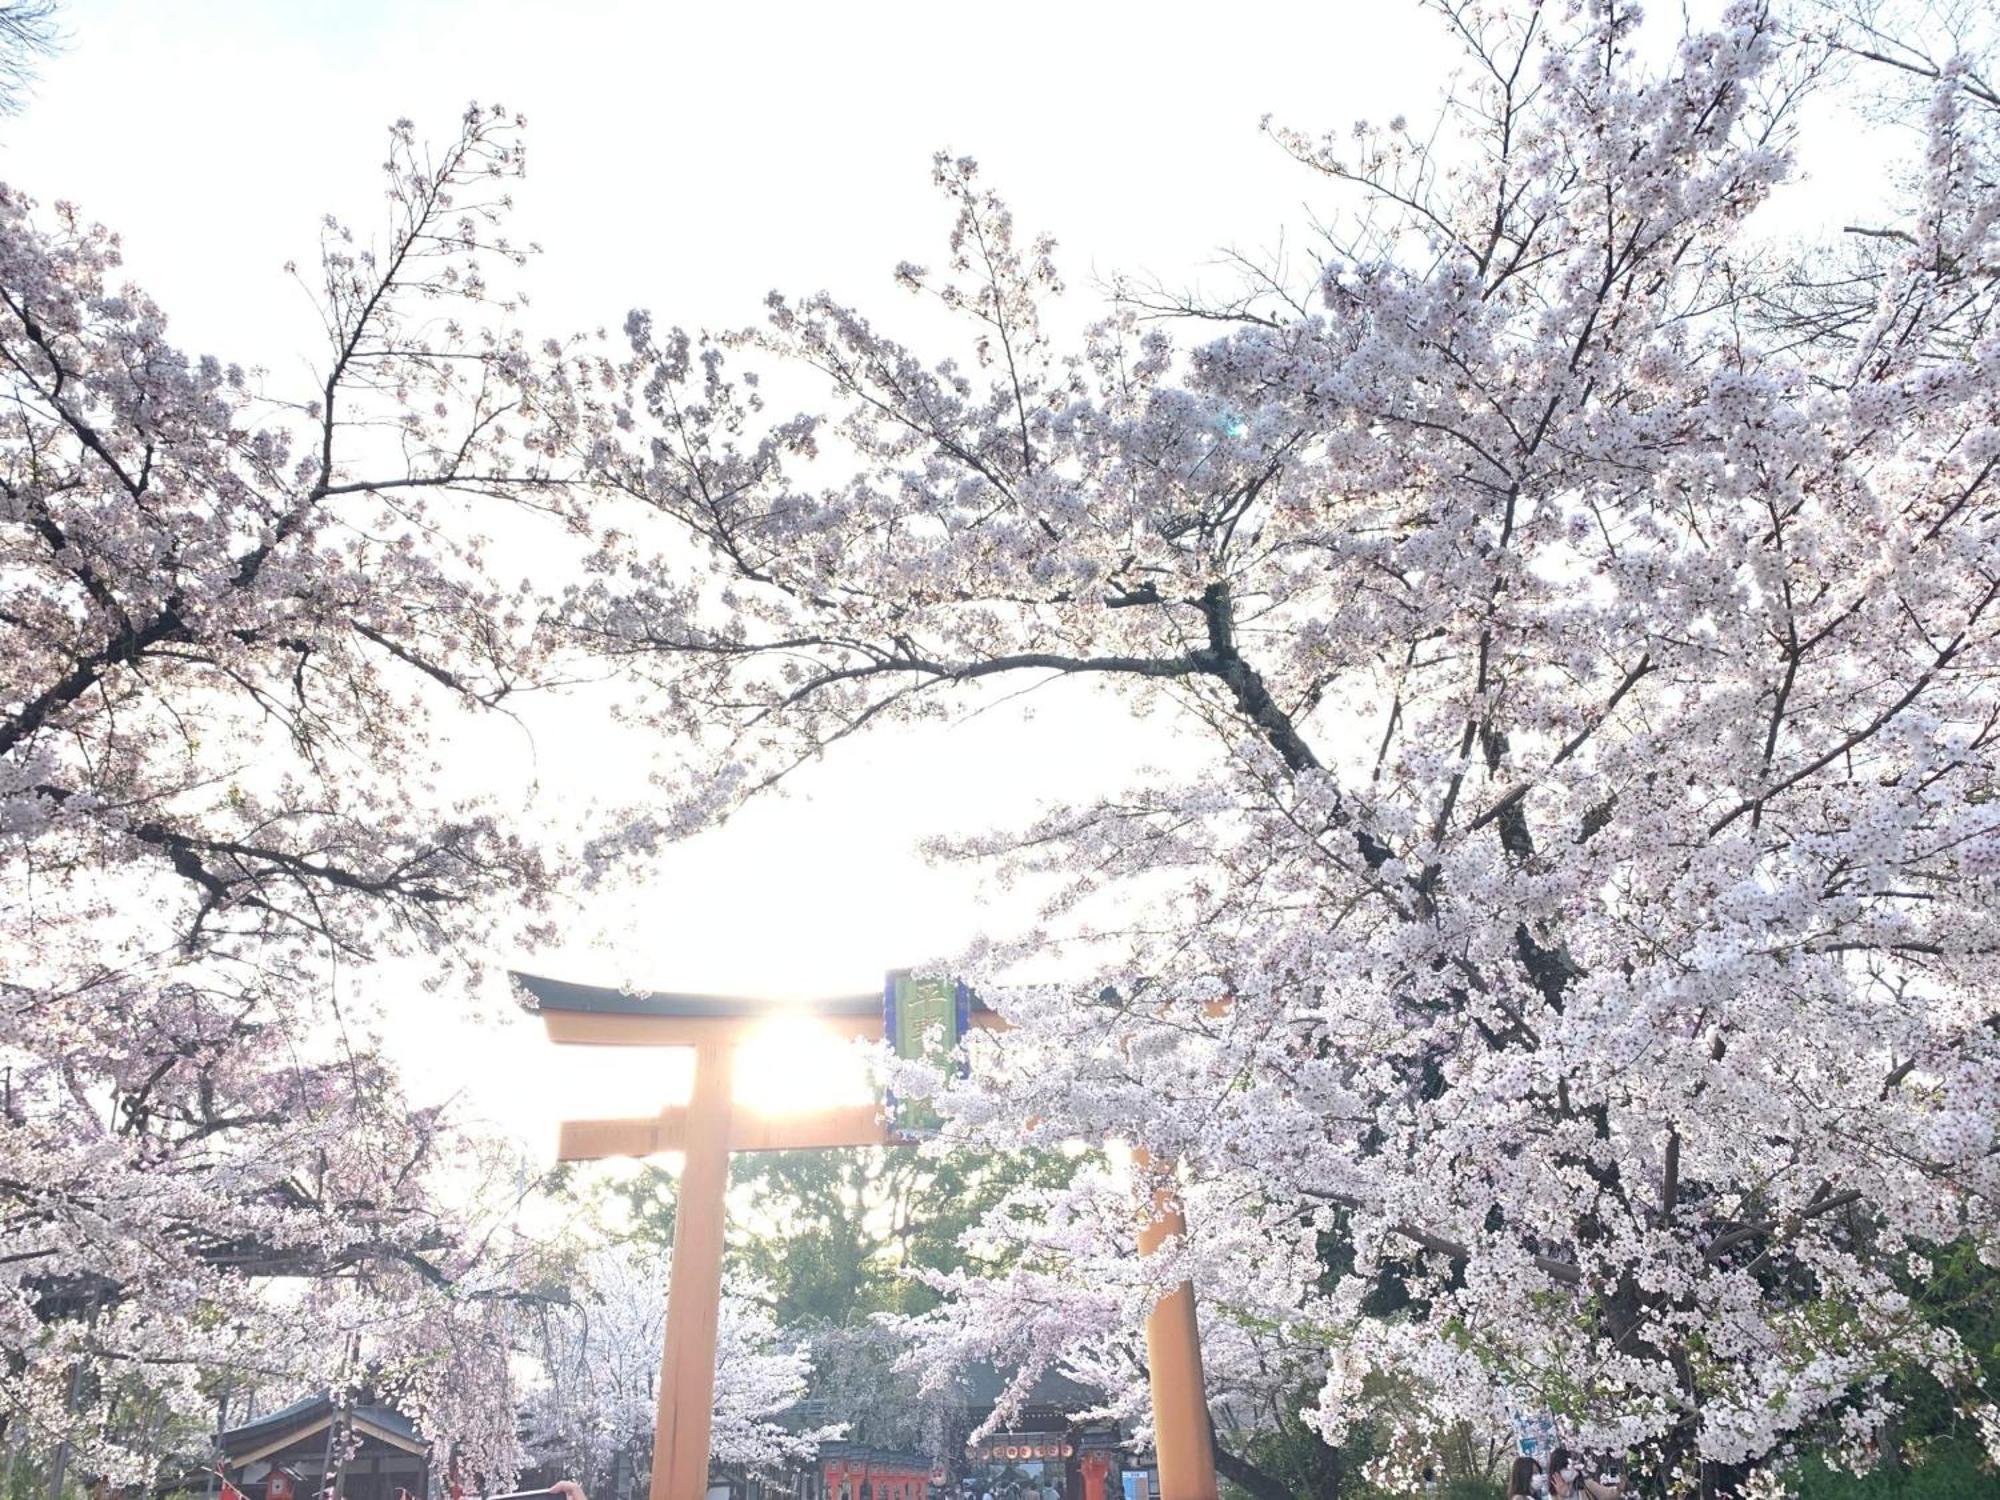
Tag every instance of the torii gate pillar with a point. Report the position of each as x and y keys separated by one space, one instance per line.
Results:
x=1183 y=1441
x=708 y=1129
x=694 y=1290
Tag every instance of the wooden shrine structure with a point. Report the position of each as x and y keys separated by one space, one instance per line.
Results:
x=709 y=1127
x=313 y=1447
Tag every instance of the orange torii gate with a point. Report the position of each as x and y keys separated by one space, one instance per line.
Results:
x=708 y=1127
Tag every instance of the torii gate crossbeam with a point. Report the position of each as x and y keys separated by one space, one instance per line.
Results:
x=708 y=1128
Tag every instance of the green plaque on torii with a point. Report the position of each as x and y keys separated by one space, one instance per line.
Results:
x=923 y=1019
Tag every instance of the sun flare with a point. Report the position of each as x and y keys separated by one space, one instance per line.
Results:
x=792 y=1064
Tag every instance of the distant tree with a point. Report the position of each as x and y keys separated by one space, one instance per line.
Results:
x=833 y=1236
x=831 y=1239
x=858 y=1378
x=600 y=1362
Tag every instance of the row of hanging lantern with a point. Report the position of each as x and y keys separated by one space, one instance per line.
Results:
x=993 y=1452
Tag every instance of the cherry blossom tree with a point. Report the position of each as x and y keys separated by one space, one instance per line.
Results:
x=234 y=624
x=1573 y=885
x=600 y=1359
x=1079 y=1296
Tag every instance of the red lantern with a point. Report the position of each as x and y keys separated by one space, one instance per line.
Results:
x=282 y=1485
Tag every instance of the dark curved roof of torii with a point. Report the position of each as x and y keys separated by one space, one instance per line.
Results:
x=593 y=999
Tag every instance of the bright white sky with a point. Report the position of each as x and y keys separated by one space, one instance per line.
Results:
x=690 y=157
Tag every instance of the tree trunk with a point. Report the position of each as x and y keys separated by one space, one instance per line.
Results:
x=1328 y=1469
x=1248 y=1477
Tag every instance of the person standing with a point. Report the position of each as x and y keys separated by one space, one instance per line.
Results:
x=1567 y=1480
